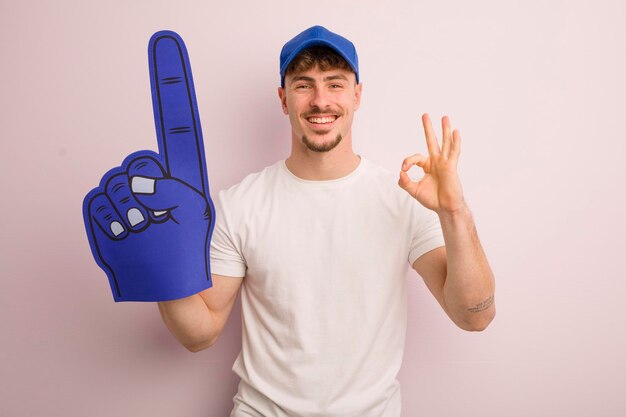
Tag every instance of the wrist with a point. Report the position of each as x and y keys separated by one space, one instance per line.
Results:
x=460 y=212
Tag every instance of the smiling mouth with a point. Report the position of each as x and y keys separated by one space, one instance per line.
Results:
x=322 y=120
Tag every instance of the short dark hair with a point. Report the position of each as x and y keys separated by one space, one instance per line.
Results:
x=324 y=57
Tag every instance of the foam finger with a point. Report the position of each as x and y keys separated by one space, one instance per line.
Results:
x=176 y=111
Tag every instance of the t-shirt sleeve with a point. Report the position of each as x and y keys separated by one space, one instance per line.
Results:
x=226 y=255
x=427 y=234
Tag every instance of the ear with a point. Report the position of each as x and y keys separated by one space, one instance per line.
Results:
x=282 y=94
x=357 y=96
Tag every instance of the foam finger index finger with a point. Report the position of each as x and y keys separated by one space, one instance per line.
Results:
x=176 y=111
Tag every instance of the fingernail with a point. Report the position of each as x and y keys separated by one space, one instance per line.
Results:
x=116 y=228
x=159 y=213
x=134 y=216
x=142 y=185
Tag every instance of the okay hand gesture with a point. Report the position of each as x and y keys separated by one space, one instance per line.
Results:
x=440 y=187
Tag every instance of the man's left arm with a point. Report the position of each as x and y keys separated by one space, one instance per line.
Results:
x=458 y=275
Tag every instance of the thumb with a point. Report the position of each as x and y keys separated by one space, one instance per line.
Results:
x=407 y=184
x=169 y=194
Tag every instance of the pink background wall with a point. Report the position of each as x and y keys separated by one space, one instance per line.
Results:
x=537 y=89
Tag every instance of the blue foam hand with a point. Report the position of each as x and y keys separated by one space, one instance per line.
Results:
x=149 y=222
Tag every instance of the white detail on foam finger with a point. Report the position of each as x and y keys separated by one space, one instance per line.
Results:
x=142 y=185
x=134 y=216
x=159 y=213
x=117 y=228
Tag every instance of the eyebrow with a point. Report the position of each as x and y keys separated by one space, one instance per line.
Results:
x=328 y=78
x=336 y=77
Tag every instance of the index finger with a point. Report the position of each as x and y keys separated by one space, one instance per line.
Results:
x=431 y=139
x=176 y=111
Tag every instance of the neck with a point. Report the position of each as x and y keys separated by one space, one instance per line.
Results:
x=322 y=166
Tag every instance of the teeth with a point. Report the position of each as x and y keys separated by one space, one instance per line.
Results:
x=322 y=119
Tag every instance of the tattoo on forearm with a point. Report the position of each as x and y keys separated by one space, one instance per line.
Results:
x=481 y=306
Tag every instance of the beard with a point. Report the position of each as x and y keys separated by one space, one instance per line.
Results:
x=321 y=147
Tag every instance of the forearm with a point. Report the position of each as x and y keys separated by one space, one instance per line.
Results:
x=190 y=321
x=469 y=286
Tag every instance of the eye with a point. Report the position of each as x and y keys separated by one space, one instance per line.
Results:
x=336 y=86
x=302 y=87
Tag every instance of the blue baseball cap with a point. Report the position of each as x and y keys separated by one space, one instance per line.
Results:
x=315 y=36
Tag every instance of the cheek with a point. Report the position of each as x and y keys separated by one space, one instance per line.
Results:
x=294 y=120
x=350 y=102
x=290 y=108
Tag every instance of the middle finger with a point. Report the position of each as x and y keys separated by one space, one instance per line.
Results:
x=431 y=139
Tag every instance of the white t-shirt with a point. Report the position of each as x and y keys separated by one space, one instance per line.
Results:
x=324 y=296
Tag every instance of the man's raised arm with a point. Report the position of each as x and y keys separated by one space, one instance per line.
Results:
x=458 y=275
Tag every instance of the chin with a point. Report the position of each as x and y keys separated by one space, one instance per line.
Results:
x=323 y=146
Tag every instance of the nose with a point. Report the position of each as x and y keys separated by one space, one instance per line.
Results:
x=320 y=98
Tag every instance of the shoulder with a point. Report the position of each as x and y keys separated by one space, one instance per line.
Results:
x=235 y=205
x=254 y=182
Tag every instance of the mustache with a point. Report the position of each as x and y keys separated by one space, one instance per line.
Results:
x=316 y=111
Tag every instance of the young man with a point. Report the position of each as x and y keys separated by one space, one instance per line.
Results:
x=321 y=243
